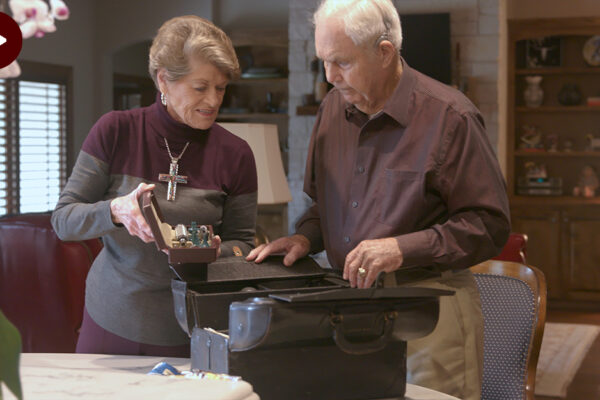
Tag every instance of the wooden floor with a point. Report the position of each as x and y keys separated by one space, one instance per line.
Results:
x=586 y=384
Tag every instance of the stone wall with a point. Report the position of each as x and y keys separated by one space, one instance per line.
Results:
x=473 y=24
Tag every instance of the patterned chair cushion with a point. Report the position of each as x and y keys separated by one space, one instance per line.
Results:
x=509 y=313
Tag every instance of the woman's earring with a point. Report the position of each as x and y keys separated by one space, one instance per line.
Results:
x=163 y=99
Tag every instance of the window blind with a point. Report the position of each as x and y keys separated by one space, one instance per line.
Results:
x=33 y=155
x=7 y=120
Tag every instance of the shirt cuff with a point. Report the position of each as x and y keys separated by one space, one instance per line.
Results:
x=313 y=233
x=415 y=248
x=104 y=208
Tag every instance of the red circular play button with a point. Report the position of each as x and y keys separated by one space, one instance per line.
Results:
x=11 y=40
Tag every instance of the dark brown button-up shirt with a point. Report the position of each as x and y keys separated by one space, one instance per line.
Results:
x=422 y=171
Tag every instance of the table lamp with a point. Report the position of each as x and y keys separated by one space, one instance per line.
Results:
x=272 y=183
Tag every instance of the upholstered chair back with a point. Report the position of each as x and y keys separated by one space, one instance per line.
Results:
x=42 y=282
x=513 y=301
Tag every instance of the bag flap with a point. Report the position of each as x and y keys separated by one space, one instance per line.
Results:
x=228 y=269
x=362 y=294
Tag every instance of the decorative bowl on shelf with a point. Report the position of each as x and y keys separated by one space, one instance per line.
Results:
x=569 y=95
x=591 y=51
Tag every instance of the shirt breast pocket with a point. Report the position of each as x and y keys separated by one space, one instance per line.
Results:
x=400 y=194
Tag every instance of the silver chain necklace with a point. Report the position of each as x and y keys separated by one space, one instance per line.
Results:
x=175 y=159
x=172 y=176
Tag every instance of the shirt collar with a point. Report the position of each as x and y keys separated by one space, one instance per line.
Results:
x=398 y=105
x=399 y=102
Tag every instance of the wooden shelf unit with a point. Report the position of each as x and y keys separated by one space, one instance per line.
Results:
x=559 y=109
x=553 y=201
x=526 y=153
x=558 y=71
x=262 y=49
x=266 y=49
x=563 y=231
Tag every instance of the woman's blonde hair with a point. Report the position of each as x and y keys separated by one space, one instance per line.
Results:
x=181 y=39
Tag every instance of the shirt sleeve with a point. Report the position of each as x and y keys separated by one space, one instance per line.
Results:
x=469 y=180
x=82 y=211
x=309 y=224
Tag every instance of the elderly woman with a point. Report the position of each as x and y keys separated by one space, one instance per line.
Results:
x=128 y=304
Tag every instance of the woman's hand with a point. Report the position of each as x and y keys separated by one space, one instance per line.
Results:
x=126 y=210
x=216 y=242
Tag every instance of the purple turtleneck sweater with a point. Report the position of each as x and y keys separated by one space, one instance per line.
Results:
x=128 y=287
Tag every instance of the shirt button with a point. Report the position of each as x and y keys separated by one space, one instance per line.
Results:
x=355 y=204
x=346 y=239
x=361 y=170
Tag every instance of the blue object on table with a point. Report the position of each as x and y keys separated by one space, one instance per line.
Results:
x=163 y=368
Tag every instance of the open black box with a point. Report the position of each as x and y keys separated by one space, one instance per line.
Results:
x=295 y=332
x=182 y=261
x=205 y=303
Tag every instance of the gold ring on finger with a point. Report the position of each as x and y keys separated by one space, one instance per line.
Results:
x=362 y=272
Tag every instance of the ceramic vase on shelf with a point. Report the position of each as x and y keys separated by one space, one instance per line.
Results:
x=533 y=94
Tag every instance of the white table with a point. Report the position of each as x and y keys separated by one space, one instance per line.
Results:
x=96 y=376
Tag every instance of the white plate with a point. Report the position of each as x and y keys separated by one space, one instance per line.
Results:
x=591 y=51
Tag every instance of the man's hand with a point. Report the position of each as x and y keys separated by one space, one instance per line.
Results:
x=373 y=256
x=126 y=210
x=294 y=247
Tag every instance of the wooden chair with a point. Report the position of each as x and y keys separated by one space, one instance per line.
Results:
x=513 y=301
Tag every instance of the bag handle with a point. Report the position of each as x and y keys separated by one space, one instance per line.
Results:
x=359 y=348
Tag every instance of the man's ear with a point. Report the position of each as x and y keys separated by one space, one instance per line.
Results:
x=387 y=51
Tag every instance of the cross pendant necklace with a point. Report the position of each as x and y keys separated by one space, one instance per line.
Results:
x=172 y=176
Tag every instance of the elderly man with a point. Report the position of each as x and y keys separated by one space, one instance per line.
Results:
x=401 y=173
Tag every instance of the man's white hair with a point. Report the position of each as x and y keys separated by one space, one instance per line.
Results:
x=365 y=21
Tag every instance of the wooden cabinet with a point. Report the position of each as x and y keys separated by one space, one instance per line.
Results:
x=542 y=226
x=581 y=253
x=564 y=242
x=554 y=139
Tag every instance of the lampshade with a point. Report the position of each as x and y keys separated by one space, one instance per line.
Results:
x=264 y=142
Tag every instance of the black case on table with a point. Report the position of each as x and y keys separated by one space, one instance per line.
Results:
x=295 y=332
x=338 y=344
x=205 y=303
x=301 y=332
